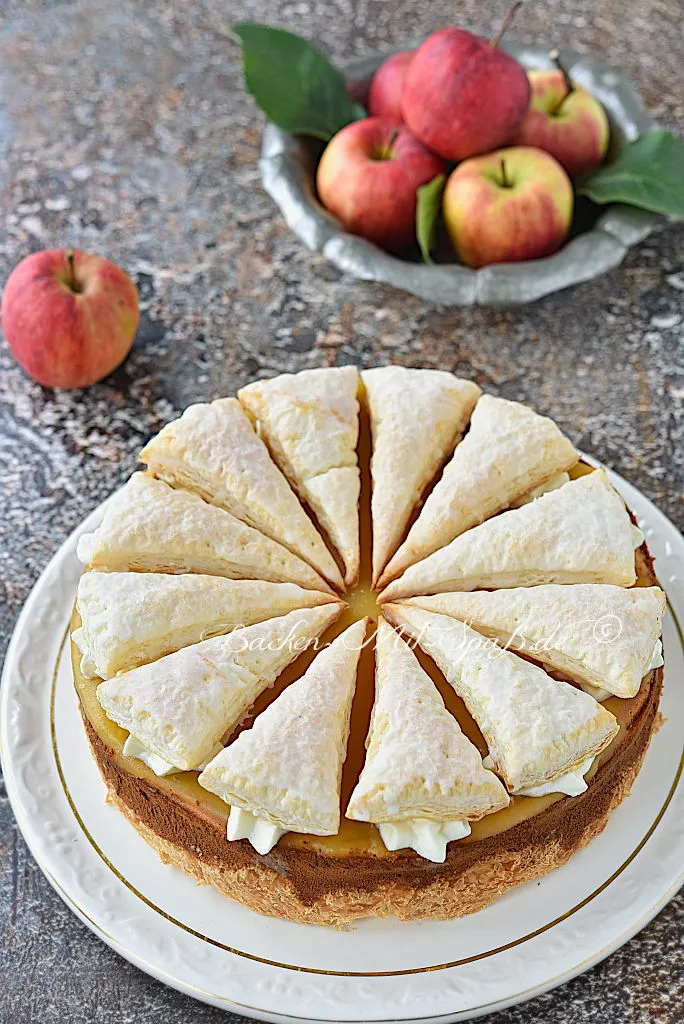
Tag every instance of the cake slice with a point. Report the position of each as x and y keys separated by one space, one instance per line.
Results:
x=580 y=533
x=543 y=735
x=130 y=618
x=423 y=780
x=178 y=709
x=310 y=422
x=151 y=527
x=508 y=450
x=416 y=417
x=214 y=451
x=284 y=774
x=597 y=634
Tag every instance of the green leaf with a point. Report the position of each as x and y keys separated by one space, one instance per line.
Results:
x=649 y=173
x=428 y=209
x=293 y=83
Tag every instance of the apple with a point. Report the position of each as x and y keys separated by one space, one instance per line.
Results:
x=565 y=120
x=463 y=95
x=368 y=176
x=514 y=204
x=384 y=98
x=69 y=317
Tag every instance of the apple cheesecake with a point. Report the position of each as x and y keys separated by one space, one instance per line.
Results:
x=366 y=644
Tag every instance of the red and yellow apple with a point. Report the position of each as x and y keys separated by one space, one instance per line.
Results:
x=570 y=125
x=463 y=95
x=368 y=176
x=384 y=97
x=69 y=317
x=513 y=204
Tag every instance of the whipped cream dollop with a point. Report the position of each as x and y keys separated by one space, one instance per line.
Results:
x=88 y=668
x=428 y=838
x=657 y=656
x=596 y=692
x=133 y=747
x=262 y=834
x=570 y=784
x=85 y=548
x=656 y=661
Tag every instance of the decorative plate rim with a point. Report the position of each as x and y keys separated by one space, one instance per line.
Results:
x=61 y=853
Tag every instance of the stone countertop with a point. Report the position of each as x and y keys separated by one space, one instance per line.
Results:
x=124 y=130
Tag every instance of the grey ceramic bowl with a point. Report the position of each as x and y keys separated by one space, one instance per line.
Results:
x=288 y=167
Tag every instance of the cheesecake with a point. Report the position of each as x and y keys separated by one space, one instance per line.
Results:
x=366 y=645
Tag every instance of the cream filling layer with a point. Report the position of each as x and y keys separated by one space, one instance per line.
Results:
x=261 y=834
x=428 y=838
x=133 y=747
x=570 y=784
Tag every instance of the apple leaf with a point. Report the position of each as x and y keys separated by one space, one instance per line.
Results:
x=648 y=173
x=297 y=88
x=428 y=209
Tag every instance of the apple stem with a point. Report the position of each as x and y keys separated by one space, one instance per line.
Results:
x=554 y=55
x=72 y=282
x=505 y=183
x=505 y=24
x=385 y=151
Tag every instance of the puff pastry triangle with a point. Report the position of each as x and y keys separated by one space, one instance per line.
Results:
x=421 y=772
x=416 y=417
x=538 y=729
x=580 y=533
x=213 y=450
x=152 y=527
x=286 y=770
x=508 y=450
x=180 y=706
x=130 y=618
x=310 y=422
x=598 y=634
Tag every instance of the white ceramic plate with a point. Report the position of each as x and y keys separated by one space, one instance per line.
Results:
x=536 y=937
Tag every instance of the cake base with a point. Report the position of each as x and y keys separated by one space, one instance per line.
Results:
x=298 y=884
x=336 y=880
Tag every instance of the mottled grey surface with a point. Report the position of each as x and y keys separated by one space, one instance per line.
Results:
x=124 y=130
